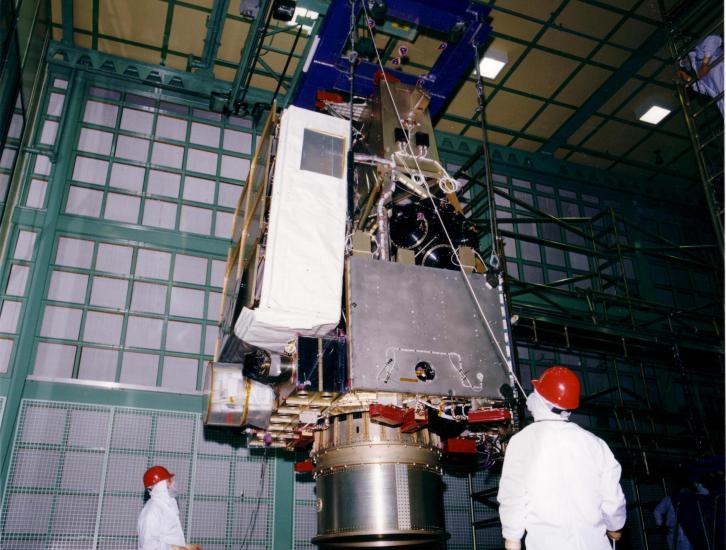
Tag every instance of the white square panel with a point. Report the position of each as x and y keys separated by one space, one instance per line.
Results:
x=122 y=208
x=100 y=113
x=201 y=161
x=148 y=298
x=74 y=252
x=7 y=158
x=204 y=134
x=42 y=165
x=90 y=170
x=179 y=374
x=186 y=302
x=239 y=142
x=95 y=141
x=229 y=195
x=54 y=360
x=61 y=322
x=55 y=104
x=167 y=155
x=103 y=328
x=210 y=340
x=223 y=227
x=84 y=202
x=199 y=190
x=234 y=168
x=17 y=280
x=139 y=368
x=143 y=332
x=195 y=220
x=171 y=128
x=159 y=214
x=24 y=245
x=114 y=258
x=190 y=269
x=49 y=132
x=153 y=264
x=16 y=126
x=183 y=337
x=6 y=351
x=9 y=315
x=108 y=292
x=98 y=364
x=132 y=148
x=128 y=177
x=36 y=194
x=68 y=287
x=219 y=267
x=213 y=305
x=163 y=183
x=137 y=121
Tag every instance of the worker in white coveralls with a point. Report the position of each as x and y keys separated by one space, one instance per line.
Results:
x=158 y=525
x=560 y=484
x=704 y=66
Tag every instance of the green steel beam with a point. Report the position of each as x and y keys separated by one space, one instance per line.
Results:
x=167 y=31
x=246 y=60
x=67 y=19
x=25 y=344
x=94 y=23
x=138 y=72
x=96 y=394
x=284 y=502
x=579 y=67
x=631 y=66
x=212 y=40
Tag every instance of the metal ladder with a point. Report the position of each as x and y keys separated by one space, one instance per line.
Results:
x=703 y=120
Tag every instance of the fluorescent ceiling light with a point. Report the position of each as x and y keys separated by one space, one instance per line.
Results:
x=654 y=115
x=302 y=13
x=492 y=63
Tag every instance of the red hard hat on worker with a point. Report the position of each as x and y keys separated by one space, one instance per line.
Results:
x=155 y=474
x=560 y=386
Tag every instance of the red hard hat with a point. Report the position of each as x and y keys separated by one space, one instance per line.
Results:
x=155 y=474
x=560 y=386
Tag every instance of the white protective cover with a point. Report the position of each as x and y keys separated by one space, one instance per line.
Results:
x=302 y=283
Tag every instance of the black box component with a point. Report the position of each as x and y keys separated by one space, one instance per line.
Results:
x=322 y=363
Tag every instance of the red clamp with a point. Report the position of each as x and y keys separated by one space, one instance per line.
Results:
x=460 y=446
x=305 y=466
x=413 y=422
x=484 y=416
x=390 y=415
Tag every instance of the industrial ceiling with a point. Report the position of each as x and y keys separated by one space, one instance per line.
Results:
x=577 y=70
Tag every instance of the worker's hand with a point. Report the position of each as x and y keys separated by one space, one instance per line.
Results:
x=193 y=547
x=684 y=75
x=704 y=69
x=510 y=544
x=615 y=535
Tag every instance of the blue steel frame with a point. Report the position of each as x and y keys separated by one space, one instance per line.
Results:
x=329 y=68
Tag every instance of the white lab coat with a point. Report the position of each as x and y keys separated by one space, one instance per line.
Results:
x=560 y=484
x=158 y=525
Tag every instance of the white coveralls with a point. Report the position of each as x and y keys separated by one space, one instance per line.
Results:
x=158 y=525
x=665 y=514
x=560 y=484
x=711 y=84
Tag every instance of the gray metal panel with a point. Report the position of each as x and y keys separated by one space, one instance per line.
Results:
x=402 y=314
x=366 y=499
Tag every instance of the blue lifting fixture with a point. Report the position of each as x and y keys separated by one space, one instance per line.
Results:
x=329 y=67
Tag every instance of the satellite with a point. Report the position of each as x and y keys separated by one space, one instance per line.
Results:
x=359 y=323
